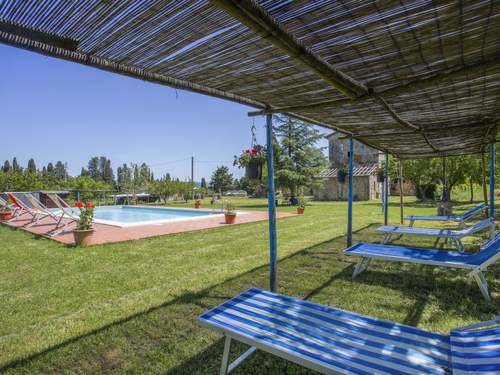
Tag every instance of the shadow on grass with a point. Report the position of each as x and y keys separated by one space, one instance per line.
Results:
x=166 y=338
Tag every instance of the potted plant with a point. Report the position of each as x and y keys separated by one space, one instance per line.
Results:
x=380 y=175
x=252 y=160
x=341 y=175
x=5 y=213
x=197 y=203
x=301 y=205
x=229 y=213
x=84 y=230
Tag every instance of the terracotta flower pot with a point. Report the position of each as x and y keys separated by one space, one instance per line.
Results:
x=5 y=215
x=197 y=204
x=82 y=237
x=230 y=218
x=300 y=210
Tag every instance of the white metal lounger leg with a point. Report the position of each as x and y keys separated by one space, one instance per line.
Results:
x=227 y=367
x=482 y=283
x=225 y=356
x=460 y=245
x=361 y=266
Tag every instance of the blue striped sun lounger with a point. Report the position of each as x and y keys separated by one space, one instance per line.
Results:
x=334 y=341
x=448 y=234
x=456 y=218
x=476 y=263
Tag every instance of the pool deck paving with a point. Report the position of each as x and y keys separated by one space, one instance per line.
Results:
x=104 y=234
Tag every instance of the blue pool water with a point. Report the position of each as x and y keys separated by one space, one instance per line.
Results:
x=131 y=215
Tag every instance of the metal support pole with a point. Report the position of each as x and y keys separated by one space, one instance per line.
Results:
x=492 y=180
x=485 y=188
x=444 y=196
x=192 y=176
x=271 y=203
x=349 y=195
x=401 y=203
x=386 y=188
x=78 y=196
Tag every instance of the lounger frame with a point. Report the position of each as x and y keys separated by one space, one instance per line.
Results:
x=460 y=219
x=475 y=271
x=298 y=334
x=455 y=236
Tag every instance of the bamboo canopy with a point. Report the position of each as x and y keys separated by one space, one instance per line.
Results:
x=413 y=78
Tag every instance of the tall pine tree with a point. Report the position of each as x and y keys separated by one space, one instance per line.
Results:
x=31 y=166
x=297 y=157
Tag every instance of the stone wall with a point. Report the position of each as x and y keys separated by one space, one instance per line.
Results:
x=338 y=152
x=365 y=188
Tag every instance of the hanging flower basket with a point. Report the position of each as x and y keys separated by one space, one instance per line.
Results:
x=252 y=160
x=253 y=171
x=341 y=175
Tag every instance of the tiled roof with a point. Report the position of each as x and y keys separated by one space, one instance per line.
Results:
x=365 y=170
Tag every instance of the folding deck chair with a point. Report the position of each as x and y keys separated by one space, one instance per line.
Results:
x=461 y=219
x=43 y=212
x=21 y=208
x=475 y=263
x=65 y=211
x=334 y=341
x=4 y=203
x=448 y=234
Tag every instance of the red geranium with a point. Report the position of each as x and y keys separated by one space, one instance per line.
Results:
x=79 y=204
x=89 y=205
x=256 y=154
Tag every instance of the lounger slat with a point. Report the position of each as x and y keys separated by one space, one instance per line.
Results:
x=331 y=338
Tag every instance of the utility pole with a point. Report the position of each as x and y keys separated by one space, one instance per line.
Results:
x=192 y=175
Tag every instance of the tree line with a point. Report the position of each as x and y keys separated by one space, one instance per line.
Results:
x=98 y=175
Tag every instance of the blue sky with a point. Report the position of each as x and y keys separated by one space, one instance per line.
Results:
x=56 y=110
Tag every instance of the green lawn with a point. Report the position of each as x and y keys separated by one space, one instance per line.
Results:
x=131 y=307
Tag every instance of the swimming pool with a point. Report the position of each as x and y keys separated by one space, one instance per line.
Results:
x=128 y=216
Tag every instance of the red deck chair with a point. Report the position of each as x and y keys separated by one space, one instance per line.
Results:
x=21 y=208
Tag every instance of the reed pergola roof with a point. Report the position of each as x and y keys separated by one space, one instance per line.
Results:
x=414 y=78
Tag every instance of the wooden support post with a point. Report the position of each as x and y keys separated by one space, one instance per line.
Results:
x=485 y=188
x=350 y=195
x=271 y=206
x=401 y=208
